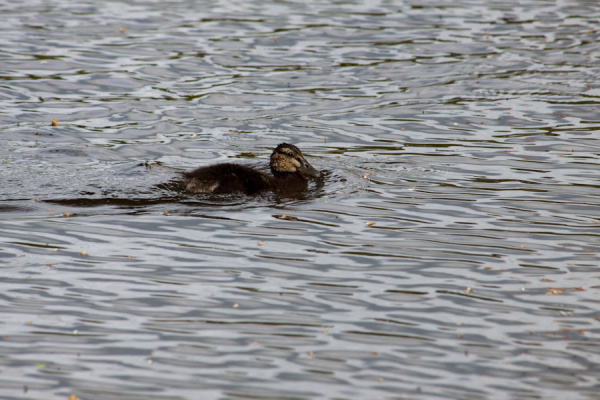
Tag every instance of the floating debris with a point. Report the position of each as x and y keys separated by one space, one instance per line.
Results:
x=286 y=217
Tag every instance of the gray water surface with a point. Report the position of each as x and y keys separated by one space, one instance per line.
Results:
x=449 y=252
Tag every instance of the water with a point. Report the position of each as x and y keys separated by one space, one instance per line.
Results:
x=451 y=251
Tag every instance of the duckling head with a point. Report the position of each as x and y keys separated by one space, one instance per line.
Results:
x=288 y=159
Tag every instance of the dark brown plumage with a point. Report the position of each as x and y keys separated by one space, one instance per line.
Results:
x=288 y=166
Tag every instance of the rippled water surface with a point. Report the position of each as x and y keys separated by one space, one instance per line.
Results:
x=450 y=252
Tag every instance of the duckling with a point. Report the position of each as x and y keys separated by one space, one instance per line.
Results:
x=288 y=166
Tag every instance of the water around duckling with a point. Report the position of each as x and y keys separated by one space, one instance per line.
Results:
x=449 y=250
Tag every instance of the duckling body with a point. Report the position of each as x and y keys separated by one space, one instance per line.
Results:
x=288 y=166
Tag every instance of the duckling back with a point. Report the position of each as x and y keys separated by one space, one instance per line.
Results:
x=227 y=178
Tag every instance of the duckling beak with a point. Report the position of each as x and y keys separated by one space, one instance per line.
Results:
x=307 y=169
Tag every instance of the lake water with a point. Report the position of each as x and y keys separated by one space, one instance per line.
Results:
x=450 y=251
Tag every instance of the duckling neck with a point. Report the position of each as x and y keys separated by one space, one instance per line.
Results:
x=289 y=181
